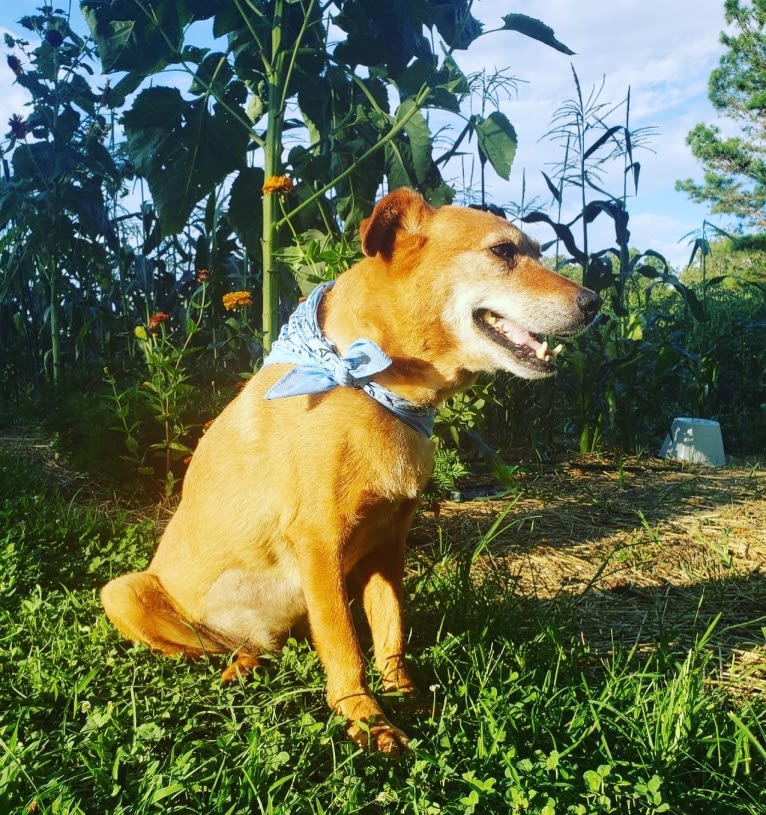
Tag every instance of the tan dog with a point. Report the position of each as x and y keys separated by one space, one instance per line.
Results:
x=286 y=499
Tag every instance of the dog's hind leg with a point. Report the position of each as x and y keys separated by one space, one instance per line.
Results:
x=139 y=607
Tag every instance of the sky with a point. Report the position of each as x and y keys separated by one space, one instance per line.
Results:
x=663 y=51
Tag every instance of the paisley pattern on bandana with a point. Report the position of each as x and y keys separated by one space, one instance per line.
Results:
x=319 y=367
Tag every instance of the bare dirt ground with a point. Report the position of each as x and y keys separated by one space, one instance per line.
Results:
x=642 y=549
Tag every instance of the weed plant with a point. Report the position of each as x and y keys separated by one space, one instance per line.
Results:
x=524 y=716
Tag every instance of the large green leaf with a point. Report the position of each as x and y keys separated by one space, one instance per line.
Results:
x=77 y=90
x=213 y=75
x=602 y=140
x=408 y=157
x=454 y=21
x=419 y=137
x=563 y=233
x=598 y=274
x=35 y=162
x=382 y=34
x=447 y=85
x=115 y=95
x=554 y=190
x=183 y=149
x=397 y=167
x=497 y=141
x=535 y=29
x=136 y=36
x=615 y=210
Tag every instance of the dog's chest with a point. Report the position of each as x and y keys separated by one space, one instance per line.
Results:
x=397 y=470
x=380 y=526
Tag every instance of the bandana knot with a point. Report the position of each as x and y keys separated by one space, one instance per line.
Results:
x=319 y=367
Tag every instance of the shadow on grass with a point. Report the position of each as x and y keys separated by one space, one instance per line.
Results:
x=624 y=554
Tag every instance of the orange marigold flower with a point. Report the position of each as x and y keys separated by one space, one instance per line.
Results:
x=156 y=319
x=278 y=183
x=202 y=275
x=237 y=299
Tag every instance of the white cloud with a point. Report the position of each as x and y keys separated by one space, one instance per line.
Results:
x=665 y=234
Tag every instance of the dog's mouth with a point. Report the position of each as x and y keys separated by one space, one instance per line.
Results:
x=529 y=349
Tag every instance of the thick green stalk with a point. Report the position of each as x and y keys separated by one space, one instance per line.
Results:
x=583 y=196
x=54 y=323
x=279 y=66
x=272 y=158
x=270 y=278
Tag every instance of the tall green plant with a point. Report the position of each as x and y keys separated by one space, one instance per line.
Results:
x=593 y=142
x=56 y=231
x=353 y=111
x=734 y=164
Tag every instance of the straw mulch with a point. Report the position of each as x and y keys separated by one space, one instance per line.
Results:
x=638 y=551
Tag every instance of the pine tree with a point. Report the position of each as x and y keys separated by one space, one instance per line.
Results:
x=735 y=166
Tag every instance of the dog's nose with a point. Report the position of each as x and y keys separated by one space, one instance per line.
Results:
x=588 y=302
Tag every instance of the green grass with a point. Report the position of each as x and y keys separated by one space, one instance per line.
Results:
x=525 y=717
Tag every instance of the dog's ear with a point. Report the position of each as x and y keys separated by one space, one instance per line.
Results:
x=401 y=210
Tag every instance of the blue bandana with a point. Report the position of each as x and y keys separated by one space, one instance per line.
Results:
x=320 y=367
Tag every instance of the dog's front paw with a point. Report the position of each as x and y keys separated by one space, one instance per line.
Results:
x=378 y=735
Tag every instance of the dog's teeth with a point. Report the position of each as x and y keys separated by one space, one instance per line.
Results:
x=542 y=351
x=557 y=350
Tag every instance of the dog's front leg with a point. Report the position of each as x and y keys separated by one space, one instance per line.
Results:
x=334 y=637
x=380 y=576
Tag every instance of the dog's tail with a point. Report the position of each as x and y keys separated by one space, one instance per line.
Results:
x=140 y=608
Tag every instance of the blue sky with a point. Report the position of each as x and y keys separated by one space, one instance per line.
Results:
x=663 y=51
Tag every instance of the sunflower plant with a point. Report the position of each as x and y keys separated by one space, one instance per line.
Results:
x=352 y=82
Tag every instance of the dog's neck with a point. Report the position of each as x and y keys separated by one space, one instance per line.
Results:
x=415 y=381
x=355 y=309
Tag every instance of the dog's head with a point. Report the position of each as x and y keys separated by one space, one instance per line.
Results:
x=480 y=279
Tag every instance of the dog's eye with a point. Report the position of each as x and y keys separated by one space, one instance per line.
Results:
x=505 y=251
